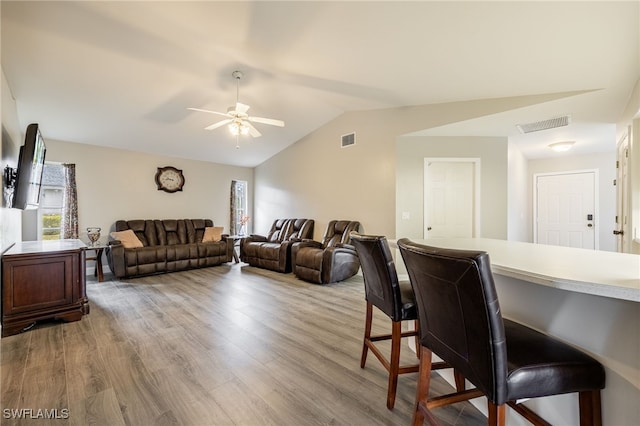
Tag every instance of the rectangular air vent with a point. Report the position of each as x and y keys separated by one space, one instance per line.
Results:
x=348 y=140
x=552 y=123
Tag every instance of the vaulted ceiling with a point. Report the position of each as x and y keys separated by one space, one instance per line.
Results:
x=122 y=74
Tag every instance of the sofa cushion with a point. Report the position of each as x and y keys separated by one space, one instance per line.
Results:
x=127 y=238
x=212 y=234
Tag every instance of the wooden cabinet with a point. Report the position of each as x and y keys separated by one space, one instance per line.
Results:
x=43 y=280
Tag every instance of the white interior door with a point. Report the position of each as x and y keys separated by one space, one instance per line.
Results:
x=450 y=199
x=565 y=209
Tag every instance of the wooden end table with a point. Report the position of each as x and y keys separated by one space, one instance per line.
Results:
x=236 y=243
x=98 y=248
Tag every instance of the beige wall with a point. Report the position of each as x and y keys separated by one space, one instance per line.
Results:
x=317 y=179
x=411 y=152
x=116 y=184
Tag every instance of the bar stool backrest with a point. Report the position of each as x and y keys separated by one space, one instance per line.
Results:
x=459 y=313
x=379 y=271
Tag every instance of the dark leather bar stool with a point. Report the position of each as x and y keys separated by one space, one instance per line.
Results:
x=460 y=321
x=393 y=297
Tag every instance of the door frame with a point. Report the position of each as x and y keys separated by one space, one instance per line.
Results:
x=476 y=189
x=623 y=210
x=596 y=201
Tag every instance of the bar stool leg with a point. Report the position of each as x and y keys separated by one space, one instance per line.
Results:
x=497 y=414
x=394 y=362
x=590 y=408
x=367 y=335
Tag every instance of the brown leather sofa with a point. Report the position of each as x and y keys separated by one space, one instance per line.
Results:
x=332 y=260
x=273 y=251
x=167 y=246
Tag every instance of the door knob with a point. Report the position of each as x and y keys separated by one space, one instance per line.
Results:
x=615 y=232
x=428 y=228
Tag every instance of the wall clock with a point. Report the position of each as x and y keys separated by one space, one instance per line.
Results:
x=169 y=179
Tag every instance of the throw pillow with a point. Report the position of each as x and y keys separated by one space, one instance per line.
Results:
x=212 y=234
x=127 y=238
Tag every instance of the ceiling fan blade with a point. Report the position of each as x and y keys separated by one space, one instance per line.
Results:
x=252 y=130
x=210 y=112
x=269 y=121
x=242 y=108
x=218 y=124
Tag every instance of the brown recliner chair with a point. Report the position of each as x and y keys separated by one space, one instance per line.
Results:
x=332 y=260
x=273 y=251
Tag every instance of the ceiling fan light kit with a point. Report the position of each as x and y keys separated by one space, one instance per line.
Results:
x=238 y=121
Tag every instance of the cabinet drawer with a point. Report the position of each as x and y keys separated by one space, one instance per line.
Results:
x=38 y=283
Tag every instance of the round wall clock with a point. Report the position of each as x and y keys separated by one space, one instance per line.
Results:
x=169 y=179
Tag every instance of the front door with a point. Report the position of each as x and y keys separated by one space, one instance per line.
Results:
x=565 y=209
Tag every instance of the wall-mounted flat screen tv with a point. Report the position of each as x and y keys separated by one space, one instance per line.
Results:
x=29 y=174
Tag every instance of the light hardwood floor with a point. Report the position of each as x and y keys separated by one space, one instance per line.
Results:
x=228 y=345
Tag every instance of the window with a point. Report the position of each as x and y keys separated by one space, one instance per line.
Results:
x=51 y=199
x=239 y=208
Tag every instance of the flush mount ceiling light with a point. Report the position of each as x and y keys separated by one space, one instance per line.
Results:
x=562 y=146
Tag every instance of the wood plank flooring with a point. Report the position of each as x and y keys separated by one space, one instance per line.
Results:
x=228 y=345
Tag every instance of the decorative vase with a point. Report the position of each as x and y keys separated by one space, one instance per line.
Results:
x=94 y=235
x=242 y=230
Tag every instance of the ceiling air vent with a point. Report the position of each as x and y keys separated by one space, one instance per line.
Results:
x=348 y=140
x=551 y=123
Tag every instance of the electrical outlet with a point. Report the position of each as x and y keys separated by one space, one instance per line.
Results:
x=406 y=215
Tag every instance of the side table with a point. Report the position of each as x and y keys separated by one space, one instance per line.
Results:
x=236 y=243
x=98 y=248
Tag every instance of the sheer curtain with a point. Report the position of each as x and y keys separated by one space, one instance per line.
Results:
x=69 y=203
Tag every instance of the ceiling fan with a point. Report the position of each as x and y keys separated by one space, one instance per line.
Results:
x=237 y=118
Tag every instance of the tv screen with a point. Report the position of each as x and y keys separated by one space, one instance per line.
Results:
x=29 y=173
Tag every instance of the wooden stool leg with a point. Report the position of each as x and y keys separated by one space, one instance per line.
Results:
x=459 y=379
x=416 y=325
x=367 y=335
x=394 y=362
x=497 y=414
x=590 y=408
x=422 y=389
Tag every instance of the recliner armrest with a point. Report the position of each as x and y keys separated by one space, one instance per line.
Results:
x=345 y=246
x=256 y=237
x=307 y=243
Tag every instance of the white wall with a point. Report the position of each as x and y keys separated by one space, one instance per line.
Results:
x=116 y=184
x=411 y=152
x=605 y=164
x=631 y=118
x=518 y=210
x=10 y=219
x=635 y=186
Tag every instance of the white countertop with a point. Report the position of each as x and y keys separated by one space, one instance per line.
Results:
x=25 y=247
x=601 y=273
